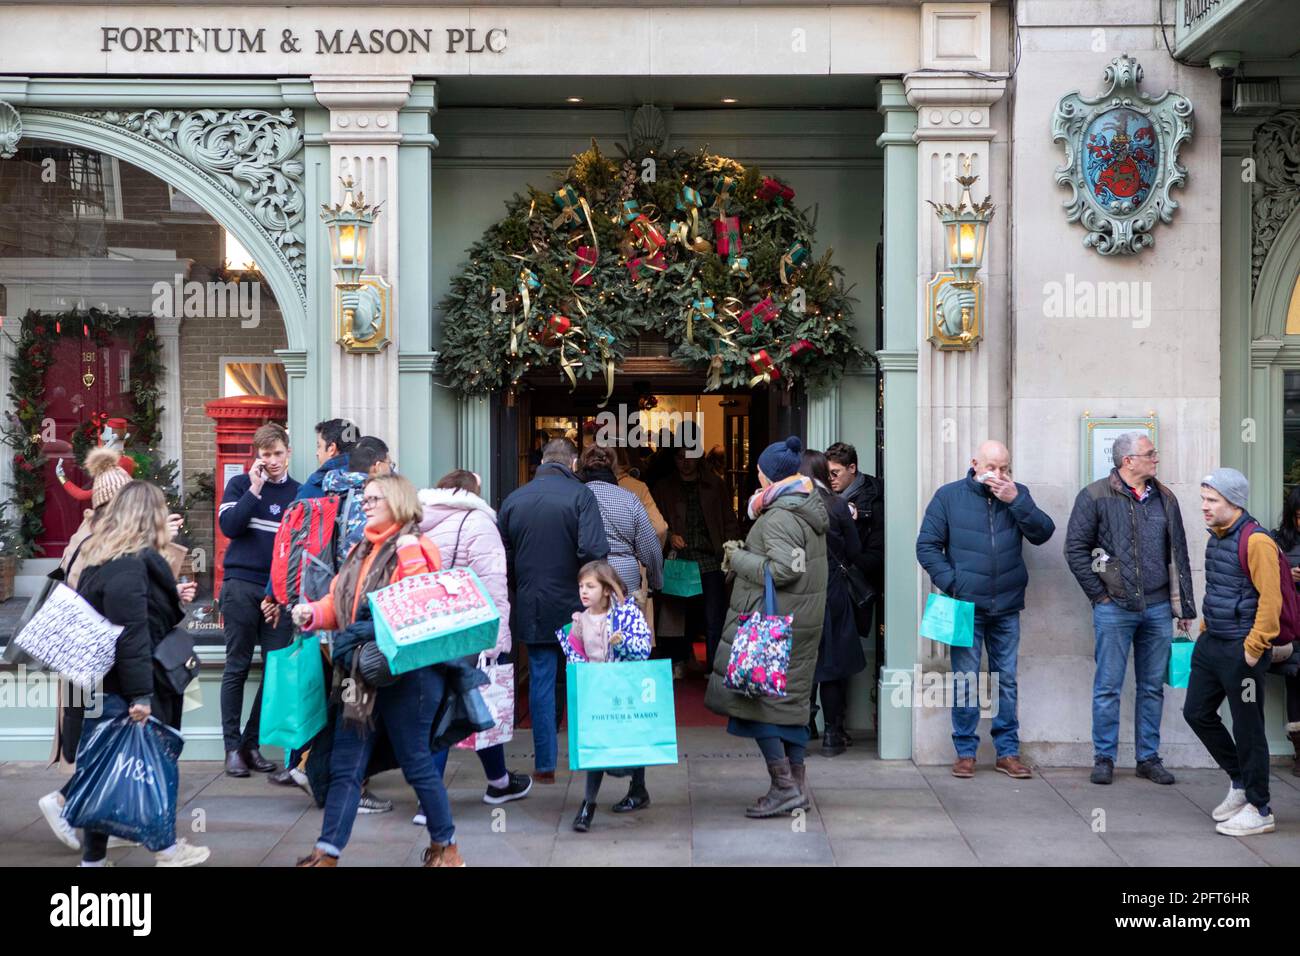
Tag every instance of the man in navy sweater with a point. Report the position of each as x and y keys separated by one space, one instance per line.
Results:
x=249 y=515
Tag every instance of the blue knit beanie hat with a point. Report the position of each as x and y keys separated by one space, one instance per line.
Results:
x=781 y=459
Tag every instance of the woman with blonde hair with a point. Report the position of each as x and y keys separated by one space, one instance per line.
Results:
x=126 y=579
x=392 y=548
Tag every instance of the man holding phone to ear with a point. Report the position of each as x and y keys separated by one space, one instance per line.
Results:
x=249 y=515
x=970 y=545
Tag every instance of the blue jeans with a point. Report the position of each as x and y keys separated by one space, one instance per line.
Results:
x=492 y=758
x=405 y=710
x=543 y=665
x=1000 y=633
x=1150 y=635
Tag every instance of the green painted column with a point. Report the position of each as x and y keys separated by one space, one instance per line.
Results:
x=311 y=401
x=1234 y=295
x=419 y=419
x=898 y=365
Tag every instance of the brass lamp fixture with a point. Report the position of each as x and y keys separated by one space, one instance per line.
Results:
x=361 y=312
x=955 y=295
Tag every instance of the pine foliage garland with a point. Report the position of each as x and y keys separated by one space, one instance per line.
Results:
x=528 y=299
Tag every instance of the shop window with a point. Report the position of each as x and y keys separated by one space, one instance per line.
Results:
x=1293 y=310
x=95 y=186
x=1291 y=429
x=254 y=376
x=179 y=202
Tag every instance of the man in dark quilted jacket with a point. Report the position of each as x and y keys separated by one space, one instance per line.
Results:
x=1127 y=549
x=970 y=545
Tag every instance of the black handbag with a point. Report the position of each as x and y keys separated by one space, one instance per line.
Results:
x=175 y=663
x=861 y=593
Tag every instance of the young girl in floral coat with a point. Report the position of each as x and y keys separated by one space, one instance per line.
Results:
x=609 y=628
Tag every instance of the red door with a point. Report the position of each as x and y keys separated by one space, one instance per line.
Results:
x=70 y=402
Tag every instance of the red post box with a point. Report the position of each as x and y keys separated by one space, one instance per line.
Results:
x=237 y=418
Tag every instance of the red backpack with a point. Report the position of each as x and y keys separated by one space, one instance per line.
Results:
x=1289 y=619
x=306 y=551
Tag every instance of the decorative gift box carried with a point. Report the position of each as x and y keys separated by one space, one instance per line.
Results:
x=431 y=618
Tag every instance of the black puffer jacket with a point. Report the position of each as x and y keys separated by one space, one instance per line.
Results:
x=137 y=591
x=1105 y=517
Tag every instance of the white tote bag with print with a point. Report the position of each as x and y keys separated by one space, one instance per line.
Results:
x=70 y=637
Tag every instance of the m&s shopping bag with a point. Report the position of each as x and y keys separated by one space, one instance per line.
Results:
x=432 y=618
x=949 y=621
x=293 y=694
x=621 y=715
x=1180 y=662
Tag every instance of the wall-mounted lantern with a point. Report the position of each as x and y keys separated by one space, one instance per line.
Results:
x=955 y=295
x=361 y=313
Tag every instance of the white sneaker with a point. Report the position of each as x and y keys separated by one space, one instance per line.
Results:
x=116 y=843
x=182 y=854
x=300 y=778
x=1246 y=822
x=1235 y=800
x=52 y=809
x=419 y=820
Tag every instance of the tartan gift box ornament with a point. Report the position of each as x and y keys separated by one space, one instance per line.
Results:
x=647 y=234
x=765 y=311
x=773 y=189
x=803 y=345
x=689 y=199
x=764 y=368
x=558 y=325
x=584 y=271
x=654 y=263
x=566 y=197
x=726 y=236
x=723 y=187
x=631 y=209
x=794 y=257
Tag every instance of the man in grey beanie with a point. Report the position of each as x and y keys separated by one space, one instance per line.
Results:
x=1240 y=618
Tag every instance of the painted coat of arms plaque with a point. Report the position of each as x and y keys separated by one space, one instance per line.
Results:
x=1121 y=158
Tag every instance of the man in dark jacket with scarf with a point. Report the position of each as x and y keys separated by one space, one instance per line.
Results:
x=865 y=495
x=970 y=545
x=1127 y=549
x=551 y=527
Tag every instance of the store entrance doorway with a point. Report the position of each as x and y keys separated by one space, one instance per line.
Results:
x=645 y=412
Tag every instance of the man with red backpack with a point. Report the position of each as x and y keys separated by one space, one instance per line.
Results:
x=1246 y=611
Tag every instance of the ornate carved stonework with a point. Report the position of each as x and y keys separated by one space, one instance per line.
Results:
x=255 y=156
x=11 y=130
x=1276 y=191
x=1121 y=158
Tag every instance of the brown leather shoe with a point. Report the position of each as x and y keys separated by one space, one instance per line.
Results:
x=235 y=766
x=1012 y=767
x=963 y=767
x=439 y=855
x=547 y=776
x=318 y=858
x=254 y=760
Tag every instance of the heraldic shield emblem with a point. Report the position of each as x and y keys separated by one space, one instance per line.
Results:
x=1121 y=159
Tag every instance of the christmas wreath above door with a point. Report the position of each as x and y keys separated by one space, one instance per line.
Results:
x=712 y=255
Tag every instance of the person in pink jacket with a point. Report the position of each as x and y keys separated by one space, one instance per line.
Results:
x=464 y=528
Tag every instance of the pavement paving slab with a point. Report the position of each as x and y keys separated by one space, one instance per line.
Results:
x=865 y=812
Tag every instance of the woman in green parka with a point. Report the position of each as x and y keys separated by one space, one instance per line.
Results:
x=789 y=539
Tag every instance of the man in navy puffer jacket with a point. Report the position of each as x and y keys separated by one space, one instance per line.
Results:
x=970 y=545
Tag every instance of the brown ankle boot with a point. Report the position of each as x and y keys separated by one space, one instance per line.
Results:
x=1293 y=734
x=318 y=858
x=800 y=773
x=439 y=854
x=782 y=796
